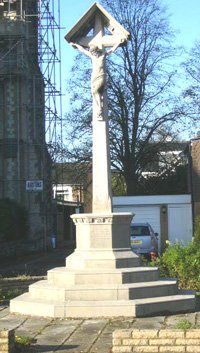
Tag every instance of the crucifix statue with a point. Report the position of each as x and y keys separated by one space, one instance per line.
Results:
x=89 y=37
x=98 y=78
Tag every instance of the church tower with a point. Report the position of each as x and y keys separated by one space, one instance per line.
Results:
x=24 y=160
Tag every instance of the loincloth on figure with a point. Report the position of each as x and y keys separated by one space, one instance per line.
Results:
x=98 y=83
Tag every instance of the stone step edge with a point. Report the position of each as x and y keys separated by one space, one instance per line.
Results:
x=93 y=303
x=67 y=270
x=158 y=283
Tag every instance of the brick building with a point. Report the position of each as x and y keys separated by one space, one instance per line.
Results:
x=195 y=175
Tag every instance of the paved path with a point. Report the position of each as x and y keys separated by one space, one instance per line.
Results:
x=80 y=335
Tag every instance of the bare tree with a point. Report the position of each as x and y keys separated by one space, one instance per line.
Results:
x=192 y=93
x=140 y=90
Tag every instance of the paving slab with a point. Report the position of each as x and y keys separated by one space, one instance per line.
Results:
x=156 y=322
x=172 y=320
x=11 y=321
x=52 y=338
x=94 y=328
x=33 y=327
x=104 y=342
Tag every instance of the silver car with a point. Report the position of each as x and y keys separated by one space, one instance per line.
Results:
x=144 y=241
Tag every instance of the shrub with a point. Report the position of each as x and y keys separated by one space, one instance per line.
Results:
x=197 y=229
x=182 y=262
x=13 y=220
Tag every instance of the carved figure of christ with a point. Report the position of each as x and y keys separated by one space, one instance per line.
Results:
x=98 y=77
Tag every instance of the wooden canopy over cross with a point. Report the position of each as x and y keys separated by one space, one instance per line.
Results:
x=88 y=30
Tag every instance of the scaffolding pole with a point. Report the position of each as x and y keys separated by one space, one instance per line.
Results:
x=49 y=56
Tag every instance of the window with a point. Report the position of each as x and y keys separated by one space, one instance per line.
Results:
x=140 y=231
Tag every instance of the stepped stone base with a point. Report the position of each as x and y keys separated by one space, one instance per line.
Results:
x=103 y=277
x=103 y=308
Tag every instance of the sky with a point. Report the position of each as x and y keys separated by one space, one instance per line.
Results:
x=185 y=19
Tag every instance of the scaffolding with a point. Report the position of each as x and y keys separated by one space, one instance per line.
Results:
x=49 y=56
x=44 y=16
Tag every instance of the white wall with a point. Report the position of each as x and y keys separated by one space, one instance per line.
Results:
x=151 y=200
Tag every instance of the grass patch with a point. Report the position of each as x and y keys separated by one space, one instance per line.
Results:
x=23 y=344
x=6 y=295
x=185 y=324
x=24 y=277
x=24 y=340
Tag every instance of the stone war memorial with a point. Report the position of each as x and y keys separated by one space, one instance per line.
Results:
x=102 y=277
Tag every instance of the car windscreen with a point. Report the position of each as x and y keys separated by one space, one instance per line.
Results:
x=140 y=231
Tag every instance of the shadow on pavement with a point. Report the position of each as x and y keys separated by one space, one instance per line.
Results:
x=36 y=264
x=44 y=348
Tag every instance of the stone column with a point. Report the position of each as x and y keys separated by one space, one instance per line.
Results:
x=102 y=188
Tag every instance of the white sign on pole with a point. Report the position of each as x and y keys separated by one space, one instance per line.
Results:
x=34 y=185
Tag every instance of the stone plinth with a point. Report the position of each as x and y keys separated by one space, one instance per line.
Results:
x=102 y=240
x=103 y=231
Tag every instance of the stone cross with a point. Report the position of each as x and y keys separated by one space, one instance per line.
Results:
x=89 y=36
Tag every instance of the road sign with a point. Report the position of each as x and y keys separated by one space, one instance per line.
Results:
x=34 y=185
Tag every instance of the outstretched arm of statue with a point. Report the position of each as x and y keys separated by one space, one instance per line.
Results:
x=82 y=49
x=119 y=42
